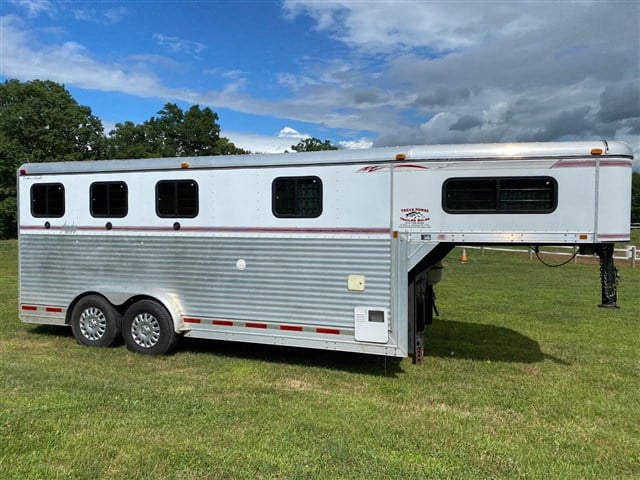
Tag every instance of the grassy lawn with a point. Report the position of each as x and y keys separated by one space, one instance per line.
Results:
x=523 y=377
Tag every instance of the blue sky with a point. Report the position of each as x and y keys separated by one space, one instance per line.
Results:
x=357 y=73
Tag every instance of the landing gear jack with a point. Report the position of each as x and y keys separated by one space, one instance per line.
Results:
x=608 y=276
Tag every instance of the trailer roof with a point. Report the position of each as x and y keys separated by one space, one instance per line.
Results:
x=502 y=151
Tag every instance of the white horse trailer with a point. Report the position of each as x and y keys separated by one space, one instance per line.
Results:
x=330 y=250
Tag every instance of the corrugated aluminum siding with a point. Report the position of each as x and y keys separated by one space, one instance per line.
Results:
x=301 y=280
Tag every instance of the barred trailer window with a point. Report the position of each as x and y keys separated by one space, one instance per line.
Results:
x=47 y=200
x=108 y=199
x=297 y=197
x=500 y=195
x=177 y=198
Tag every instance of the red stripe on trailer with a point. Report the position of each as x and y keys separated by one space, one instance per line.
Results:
x=266 y=230
x=616 y=163
x=332 y=331
x=30 y=308
x=224 y=323
x=613 y=235
x=592 y=163
x=192 y=320
x=255 y=325
x=291 y=328
x=53 y=309
x=574 y=164
x=411 y=165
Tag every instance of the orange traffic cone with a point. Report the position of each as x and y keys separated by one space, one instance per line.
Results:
x=463 y=257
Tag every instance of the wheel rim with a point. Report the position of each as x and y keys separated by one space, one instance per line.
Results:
x=93 y=323
x=145 y=330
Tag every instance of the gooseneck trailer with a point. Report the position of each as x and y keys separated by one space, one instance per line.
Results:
x=329 y=250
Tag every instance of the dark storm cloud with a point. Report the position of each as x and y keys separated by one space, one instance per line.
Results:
x=466 y=122
x=620 y=102
x=443 y=96
x=369 y=96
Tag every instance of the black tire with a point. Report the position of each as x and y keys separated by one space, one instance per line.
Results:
x=95 y=322
x=148 y=328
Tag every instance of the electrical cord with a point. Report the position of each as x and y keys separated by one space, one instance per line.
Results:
x=536 y=249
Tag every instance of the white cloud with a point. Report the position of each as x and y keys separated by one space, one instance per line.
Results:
x=283 y=141
x=35 y=7
x=69 y=62
x=359 y=144
x=178 y=45
x=288 y=132
x=109 y=16
x=72 y=63
x=438 y=26
x=257 y=143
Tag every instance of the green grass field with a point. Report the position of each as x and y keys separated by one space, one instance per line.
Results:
x=524 y=377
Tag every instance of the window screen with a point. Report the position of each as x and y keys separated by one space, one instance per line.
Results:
x=500 y=195
x=299 y=197
x=108 y=199
x=177 y=198
x=47 y=200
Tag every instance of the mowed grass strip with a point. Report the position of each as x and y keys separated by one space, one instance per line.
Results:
x=524 y=377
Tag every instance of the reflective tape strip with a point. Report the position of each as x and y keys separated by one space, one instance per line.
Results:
x=41 y=308
x=268 y=326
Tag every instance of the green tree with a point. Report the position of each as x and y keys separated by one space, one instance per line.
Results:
x=163 y=132
x=200 y=132
x=635 y=198
x=128 y=140
x=313 y=145
x=40 y=122
x=172 y=133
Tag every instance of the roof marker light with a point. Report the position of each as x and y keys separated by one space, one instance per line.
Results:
x=184 y=165
x=596 y=151
x=401 y=156
x=23 y=171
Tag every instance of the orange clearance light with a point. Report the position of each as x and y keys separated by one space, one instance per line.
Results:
x=596 y=151
x=401 y=156
x=583 y=237
x=184 y=165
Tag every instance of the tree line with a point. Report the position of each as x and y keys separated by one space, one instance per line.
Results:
x=41 y=122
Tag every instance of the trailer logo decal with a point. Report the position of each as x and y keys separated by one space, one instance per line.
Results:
x=371 y=168
x=414 y=217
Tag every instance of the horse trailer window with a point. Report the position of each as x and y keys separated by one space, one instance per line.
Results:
x=177 y=198
x=47 y=200
x=108 y=199
x=297 y=197
x=500 y=195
